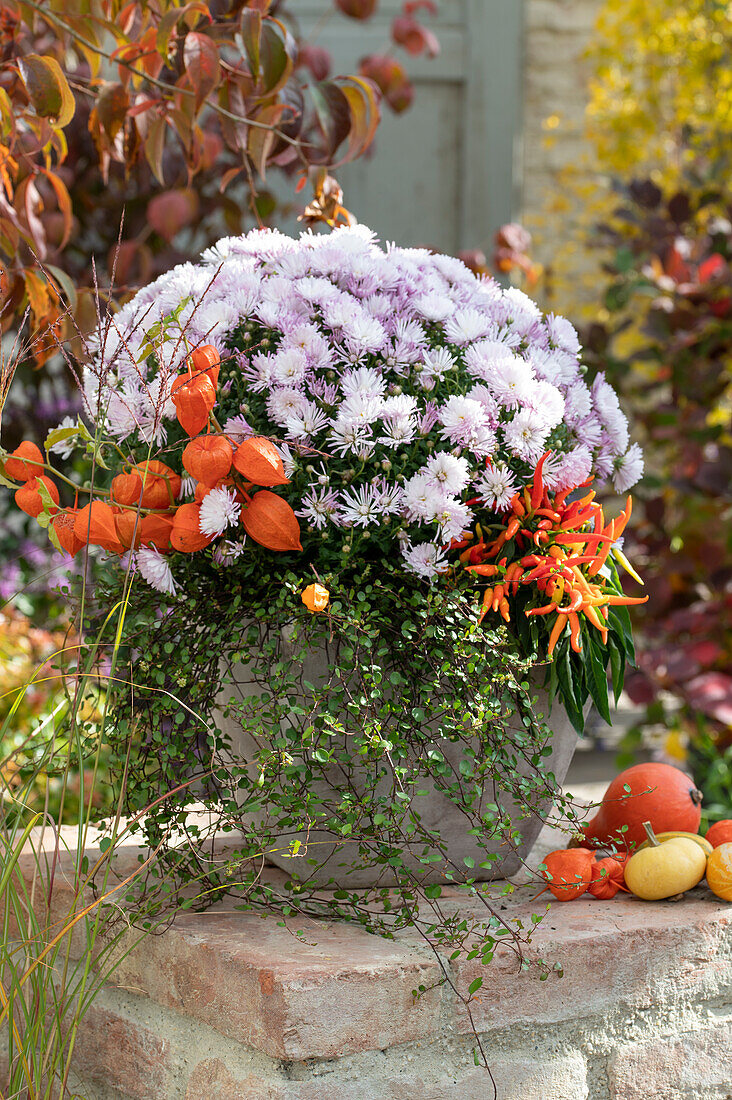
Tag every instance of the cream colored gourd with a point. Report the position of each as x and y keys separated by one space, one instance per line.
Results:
x=705 y=845
x=665 y=868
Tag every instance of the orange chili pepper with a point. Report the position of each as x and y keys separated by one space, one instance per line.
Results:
x=512 y=528
x=517 y=506
x=557 y=631
x=576 y=601
x=537 y=491
x=482 y=570
x=503 y=608
x=574 y=626
x=487 y=597
x=497 y=596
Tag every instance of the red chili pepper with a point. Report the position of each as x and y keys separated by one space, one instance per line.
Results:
x=537 y=491
x=549 y=513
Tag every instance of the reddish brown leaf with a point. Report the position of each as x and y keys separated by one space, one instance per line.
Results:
x=201 y=60
x=47 y=88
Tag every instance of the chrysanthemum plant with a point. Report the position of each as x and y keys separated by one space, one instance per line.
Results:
x=369 y=451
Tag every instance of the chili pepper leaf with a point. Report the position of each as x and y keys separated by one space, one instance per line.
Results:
x=617 y=666
x=596 y=675
x=570 y=695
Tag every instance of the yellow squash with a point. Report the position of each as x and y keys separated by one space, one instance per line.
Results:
x=704 y=844
x=665 y=868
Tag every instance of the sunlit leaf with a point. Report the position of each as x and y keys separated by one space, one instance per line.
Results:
x=47 y=88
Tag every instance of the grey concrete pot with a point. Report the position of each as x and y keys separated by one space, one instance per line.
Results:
x=335 y=855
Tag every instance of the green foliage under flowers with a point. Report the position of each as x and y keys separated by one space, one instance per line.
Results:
x=413 y=695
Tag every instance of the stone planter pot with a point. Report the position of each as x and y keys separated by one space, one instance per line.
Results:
x=435 y=809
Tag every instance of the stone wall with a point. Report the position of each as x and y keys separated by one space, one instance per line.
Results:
x=227 y=1005
x=556 y=75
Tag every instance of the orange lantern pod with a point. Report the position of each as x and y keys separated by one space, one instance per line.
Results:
x=95 y=524
x=208 y=458
x=24 y=462
x=186 y=534
x=206 y=359
x=63 y=524
x=155 y=531
x=127 y=488
x=271 y=522
x=259 y=461
x=29 y=499
x=316 y=597
x=129 y=527
x=193 y=399
x=156 y=478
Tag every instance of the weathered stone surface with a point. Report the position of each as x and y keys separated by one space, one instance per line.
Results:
x=692 y=1065
x=114 y=1051
x=335 y=991
x=212 y=1080
x=628 y=952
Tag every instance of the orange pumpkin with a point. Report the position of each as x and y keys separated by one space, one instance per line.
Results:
x=186 y=534
x=29 y=499
x=160 y=483
x=259 y=461
x=208 y=360
x=193 y=397
x=63 y=524
x=658 y=793
x=208 y=458
x=569 y=872
x=719 y=833
x=719 y=872
x=271 y=522
x=95 y=524
x=25 y=462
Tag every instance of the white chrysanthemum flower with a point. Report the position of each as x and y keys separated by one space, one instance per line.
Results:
x=362 y=380
x=288 y=366
x=450 y=472
x=351 y=436
x=526 y=436
x=123 y=412
x=574 y=468
x=628 y=469
x=282 y=403
x=318 y=507
x=422 y=498
x=426 y=560
x=219 y=510
x=238 y=428
x=438 y=362
x=307 y=422
x=546 y=400
x=454 y=518
x=155 y=569
x=465 y=326
x=361 y=507
x=462 y=418
x=496 y=485
x=65 y=447
x=511 y=380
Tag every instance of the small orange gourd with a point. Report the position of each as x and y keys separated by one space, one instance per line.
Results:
x=719 y=833
x=719 y=872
